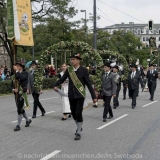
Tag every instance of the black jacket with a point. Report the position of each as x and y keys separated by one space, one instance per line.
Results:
x=83 y=76
x=152 y=77
x=134 y=83
x=22 y=79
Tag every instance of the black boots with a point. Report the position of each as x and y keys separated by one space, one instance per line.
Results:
x=28 y=123
x=17 y=128
x=78 y=137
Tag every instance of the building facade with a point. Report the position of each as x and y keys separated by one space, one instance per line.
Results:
x=139 y=30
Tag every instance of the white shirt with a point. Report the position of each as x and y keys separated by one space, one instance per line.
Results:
x=133 y=74
x=75 y=69
x=151 y=71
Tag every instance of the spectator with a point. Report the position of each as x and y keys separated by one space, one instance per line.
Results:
x=52 y=71
x=46 y=71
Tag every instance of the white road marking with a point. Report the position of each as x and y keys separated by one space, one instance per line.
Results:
x=45 y=99
x=36 y=116
x=149 y=103
x=51 y=155
x=112 y=121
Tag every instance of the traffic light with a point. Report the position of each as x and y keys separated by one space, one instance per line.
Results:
x=150 y=25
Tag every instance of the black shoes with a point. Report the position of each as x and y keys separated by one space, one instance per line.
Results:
x=17 y=128
x=69 y=116
x=43 y=113
x=78 y=137
x=114 y=107
x=28 y=123
x=77 y=130
x=110 y=117
x=104 y=120
x=95 y=106
x=34 y=116
x=152 y=100
x=133 y=107
x=124 y=98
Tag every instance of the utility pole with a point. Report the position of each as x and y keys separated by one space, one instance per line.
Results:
x=95 y=26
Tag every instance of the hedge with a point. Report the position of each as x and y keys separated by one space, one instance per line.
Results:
x=5 y=86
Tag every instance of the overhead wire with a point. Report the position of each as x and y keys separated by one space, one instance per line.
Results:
x=121 y=11
x=107 y=16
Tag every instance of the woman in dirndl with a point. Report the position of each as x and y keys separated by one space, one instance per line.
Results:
x=65 y=100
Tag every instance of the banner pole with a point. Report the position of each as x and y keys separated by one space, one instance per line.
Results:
x=14 y=62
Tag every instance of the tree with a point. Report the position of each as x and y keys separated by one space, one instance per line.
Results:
x=120 y=41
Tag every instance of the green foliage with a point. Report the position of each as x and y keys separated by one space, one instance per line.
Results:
x=48 y=82
x=121 y=42
x=5 y=86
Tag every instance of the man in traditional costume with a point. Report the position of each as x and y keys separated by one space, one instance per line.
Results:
x=20 y=80
x=78 y=78
x=109 y=88
x=35 y=93
x=118 y=82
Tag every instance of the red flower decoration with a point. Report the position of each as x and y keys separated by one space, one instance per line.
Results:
x=78 y=55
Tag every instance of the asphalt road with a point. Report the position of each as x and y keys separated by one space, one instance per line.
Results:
x=131 y=134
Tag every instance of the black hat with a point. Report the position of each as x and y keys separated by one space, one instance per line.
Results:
x=151 y=65
x=33 y=62
x=107 y=64
x=133 y=66
x=76 y=55
x=19 y=63
x=116 y=67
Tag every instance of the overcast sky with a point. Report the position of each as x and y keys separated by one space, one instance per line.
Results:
x=142 y=10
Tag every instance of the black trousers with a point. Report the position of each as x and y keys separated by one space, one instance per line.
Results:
x=76 y=106
x=133 y=94
x=36 y=103
x=20 y=104
x=152 y=86
x=124 y=90
x=115 y=99
x=107 y=108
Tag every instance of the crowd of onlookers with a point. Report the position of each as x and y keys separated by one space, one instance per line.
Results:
x=5 y=73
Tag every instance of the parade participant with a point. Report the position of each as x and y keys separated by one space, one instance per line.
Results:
x=78 y=78
x=141 y=71
x=19 y=81
x=65 y=100
x=118 y=82
x=152 y=76
x=133 y=84
x=34 y=91
x=124 y=89
x=109 y=88
x=156 y=69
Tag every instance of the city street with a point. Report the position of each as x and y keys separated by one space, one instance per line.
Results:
x=131 y=134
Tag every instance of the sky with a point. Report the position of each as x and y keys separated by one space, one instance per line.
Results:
x=141 y=10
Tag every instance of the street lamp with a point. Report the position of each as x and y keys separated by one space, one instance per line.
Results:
x=133 y=25
x=85 y=21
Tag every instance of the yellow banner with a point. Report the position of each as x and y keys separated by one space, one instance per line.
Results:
x=23 y=23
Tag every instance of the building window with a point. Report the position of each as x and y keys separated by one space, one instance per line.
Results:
x=147 y=39
x=155 y=31
x=144 y=39
x=147 y=31
x=159 y=31
x=139 y=31
x=159 y=38
x=142 y=31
